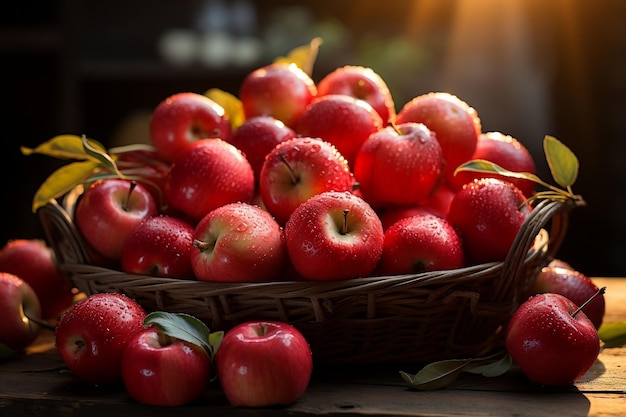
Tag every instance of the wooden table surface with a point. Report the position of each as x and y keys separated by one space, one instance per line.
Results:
x=36 y=384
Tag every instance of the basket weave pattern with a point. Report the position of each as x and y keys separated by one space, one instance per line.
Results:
x=408 y=318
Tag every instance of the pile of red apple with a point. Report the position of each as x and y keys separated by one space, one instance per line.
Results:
x=318 y=181
x=296 y=180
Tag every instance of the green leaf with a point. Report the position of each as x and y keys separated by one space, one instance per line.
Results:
x=561 y=160
x=436 y=375
x=491 y=368
x=440 y=374
x=183 y=327
x=100 y=155
x=613 y=334
x=62 y=181
x=215 y=339
x=63 y=147
x=488 y=167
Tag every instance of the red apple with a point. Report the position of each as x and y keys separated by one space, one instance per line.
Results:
x=391 y=215
x=439 y=200
x=91 y=336
x=488 y=214
x=505 y=151
x=161 y=370
x=420 y=243
x=263 y=363
x=207 y=175
x=398 y=165
x=298 y=169
x=551 y=343
x=108 y=210
x=344 y=121
x=183 y=118
x=159 y=246
x=20 y=310
x=334 y=235
x=34 y=261
x=362 y=83
x=257 y=136
x=456 y=125
x=238 y=242
x=574 y=285
x=281 y=90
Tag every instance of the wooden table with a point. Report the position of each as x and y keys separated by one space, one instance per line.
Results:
x=35 y=384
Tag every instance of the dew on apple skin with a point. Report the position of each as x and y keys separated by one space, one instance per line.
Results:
x=242 y=227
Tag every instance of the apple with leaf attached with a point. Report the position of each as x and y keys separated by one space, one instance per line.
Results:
x=169 y=363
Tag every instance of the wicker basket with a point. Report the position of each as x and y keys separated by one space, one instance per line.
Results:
x=392 y=319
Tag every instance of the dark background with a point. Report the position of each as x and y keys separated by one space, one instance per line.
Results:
x=529 y=68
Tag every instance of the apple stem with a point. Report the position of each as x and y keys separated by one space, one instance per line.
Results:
x=396 y=128
x=202 y=245
x=164 y=338
x=131 y=188
x=598 y=293
x=344 y=229
x=262 y=329
x=294 y=177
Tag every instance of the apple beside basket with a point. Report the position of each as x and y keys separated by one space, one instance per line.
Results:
x=414 y=318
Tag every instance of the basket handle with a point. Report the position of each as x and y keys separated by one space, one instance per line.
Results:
x=546 y=211
x=62 y=235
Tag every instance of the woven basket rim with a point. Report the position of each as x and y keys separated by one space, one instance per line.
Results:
x=346 y=320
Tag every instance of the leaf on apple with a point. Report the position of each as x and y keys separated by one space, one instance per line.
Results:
x=563 y=167
x=440 y=374
x=613 y=334
x=303 y=56
x=230 y=103
x=185 y=327
x=93 y=163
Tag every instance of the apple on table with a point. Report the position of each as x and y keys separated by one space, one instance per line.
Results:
x=164 y=371
x=263 y=363
x=20 y=311
x=552 y=340
x=33 y=261
x=560 y=278
x=91 y=336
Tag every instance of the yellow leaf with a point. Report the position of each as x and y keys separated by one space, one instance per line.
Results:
x=231 y=104
x=63 y=147
x=303 y=56
x=61 y=181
